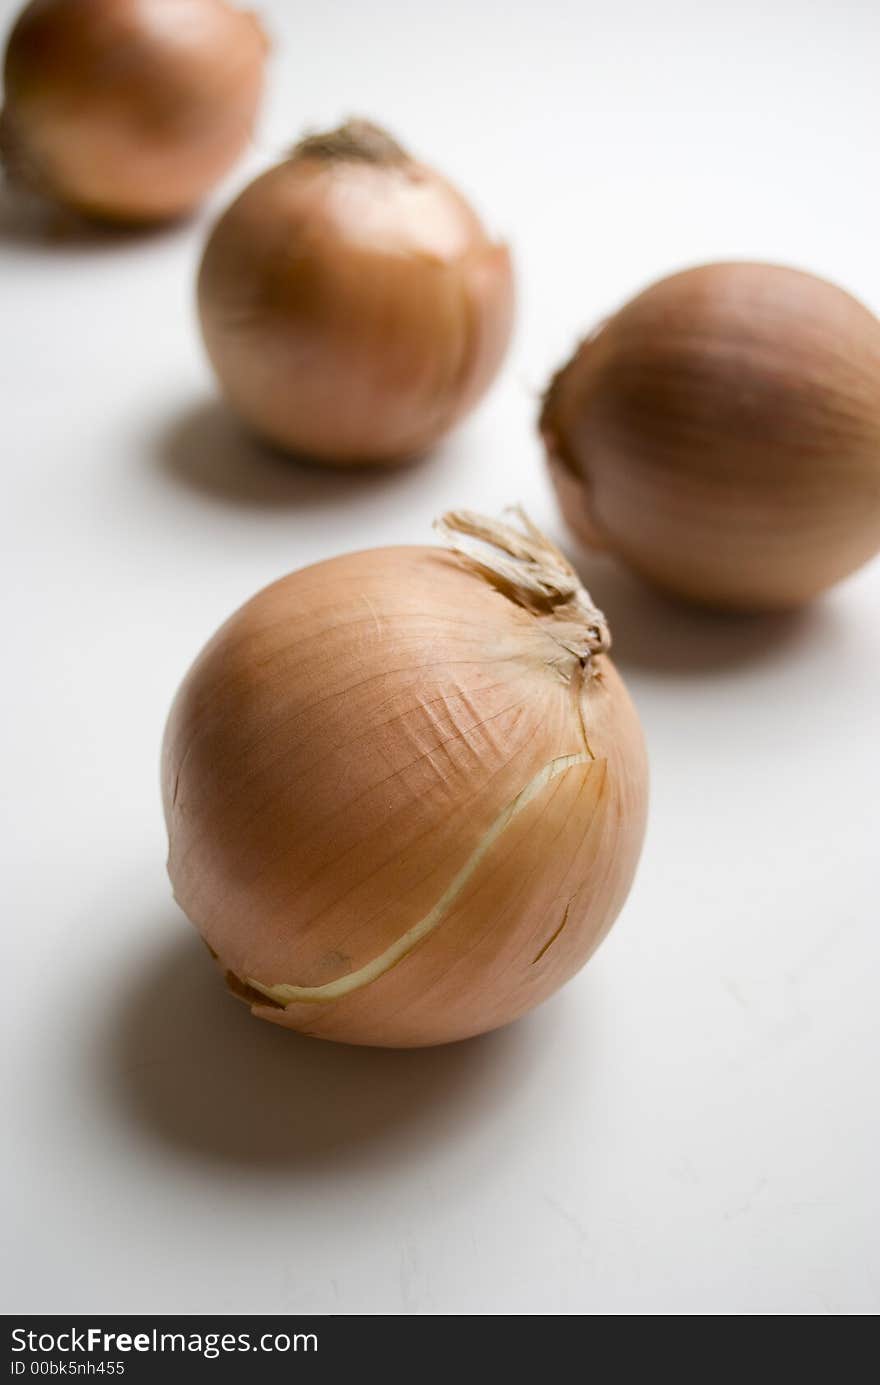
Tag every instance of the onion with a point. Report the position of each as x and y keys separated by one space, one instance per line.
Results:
x=351 y=302
x=129 y=110
x=405 y=789
x=721 y=435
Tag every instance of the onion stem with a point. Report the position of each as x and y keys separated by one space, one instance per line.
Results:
x=529 y=569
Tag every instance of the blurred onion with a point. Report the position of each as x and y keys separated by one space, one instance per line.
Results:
x=351 y=302
x=129 y=110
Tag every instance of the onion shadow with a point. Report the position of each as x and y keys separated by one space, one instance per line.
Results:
x=206 y=449
x=30 y=222
x=188 y=1066
x=655 y=633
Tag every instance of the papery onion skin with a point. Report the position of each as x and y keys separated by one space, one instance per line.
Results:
x=352 y=305
x=332 y=764
x=721 y=435
x=130 y=110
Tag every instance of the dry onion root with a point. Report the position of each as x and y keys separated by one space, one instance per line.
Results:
x=352 y=305
x=721 y=435
x=129 y=110
x=405 y=789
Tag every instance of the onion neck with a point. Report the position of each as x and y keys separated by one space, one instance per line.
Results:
x=357 y=141
x=558 y=430
x=530 y=570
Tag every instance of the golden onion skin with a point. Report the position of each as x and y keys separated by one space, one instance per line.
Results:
x=130 y=110
x=351 y=303
x=721 y=435
x=341 y=750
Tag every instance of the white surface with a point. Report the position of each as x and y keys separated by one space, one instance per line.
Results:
x=692 y=1126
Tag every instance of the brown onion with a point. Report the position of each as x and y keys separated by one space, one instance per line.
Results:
x=721 y=435
x=129 y=110
x=405 y=789
x=351 y=302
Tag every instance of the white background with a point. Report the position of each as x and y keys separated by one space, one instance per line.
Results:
x=692 y=1126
